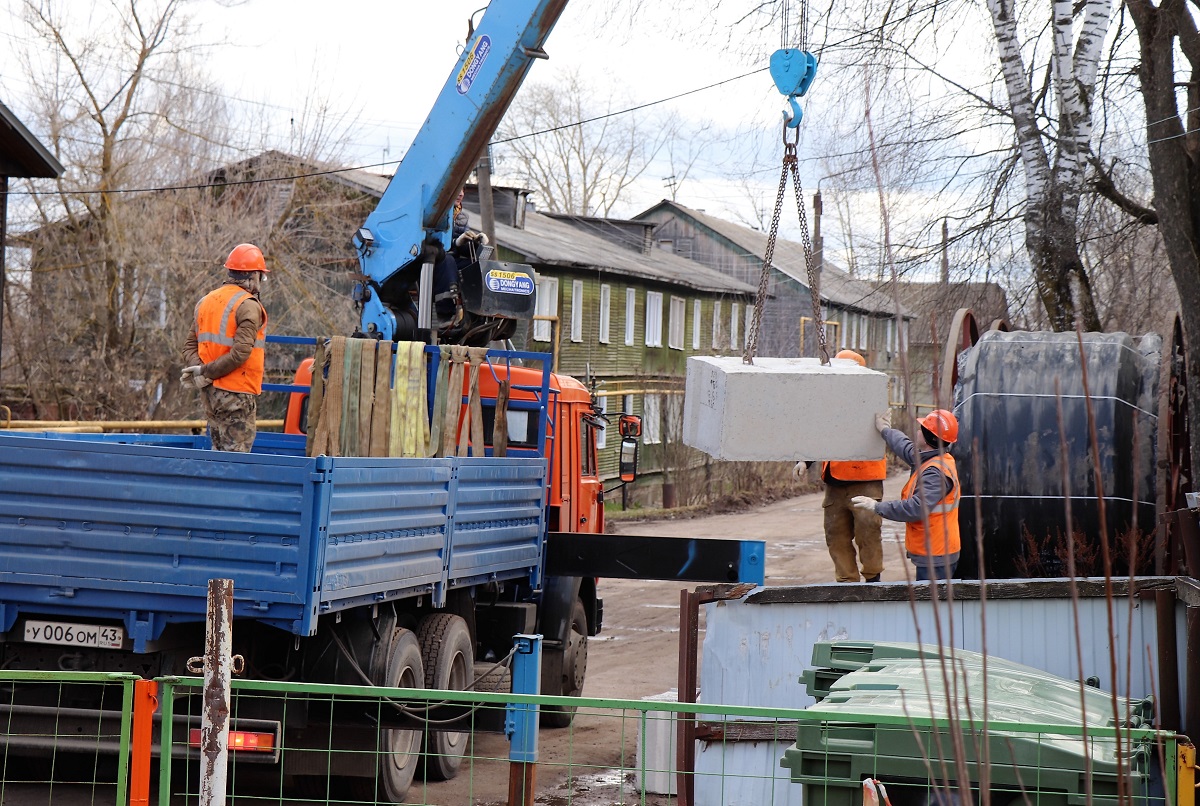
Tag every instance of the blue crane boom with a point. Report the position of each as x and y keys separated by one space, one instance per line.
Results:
x=415 y=207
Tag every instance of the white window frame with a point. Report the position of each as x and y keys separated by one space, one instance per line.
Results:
x=605 y=312
x=746 y=327
x=630 y=312
x=734 y=321
x=651 y=419
x=577 y=310
x=891 y=334
x=546 y=305
x=654 y=316
x=677 y=324
x=716 y=339
x=697 y=307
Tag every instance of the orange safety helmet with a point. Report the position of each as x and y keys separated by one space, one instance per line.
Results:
x=942 y=424
x=853 y=356
x=246 y=257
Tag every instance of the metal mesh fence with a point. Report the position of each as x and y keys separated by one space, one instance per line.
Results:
x=66 y=737
x=324 y=744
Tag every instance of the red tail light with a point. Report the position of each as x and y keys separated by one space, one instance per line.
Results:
x=241 y=741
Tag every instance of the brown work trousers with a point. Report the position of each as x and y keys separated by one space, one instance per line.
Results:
x=846 y=527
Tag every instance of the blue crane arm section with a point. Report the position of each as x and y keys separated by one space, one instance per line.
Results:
x=417 y=201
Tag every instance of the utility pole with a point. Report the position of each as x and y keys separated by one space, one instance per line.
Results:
x=487 y=210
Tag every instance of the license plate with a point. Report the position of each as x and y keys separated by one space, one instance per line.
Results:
x=68 y=634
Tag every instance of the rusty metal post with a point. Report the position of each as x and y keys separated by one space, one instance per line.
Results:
x=1168 y=660
x=1191 y=706
x=685 y=726
x=145 y=703
x=218 y=670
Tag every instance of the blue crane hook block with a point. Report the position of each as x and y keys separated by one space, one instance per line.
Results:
x=793 y=72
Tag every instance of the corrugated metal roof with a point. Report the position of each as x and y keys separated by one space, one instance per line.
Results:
x=555 y=242
x=552 y=241
x=22 y=154
x=836 y=285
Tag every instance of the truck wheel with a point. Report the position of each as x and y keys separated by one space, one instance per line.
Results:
x=449 y=656
x=573 y=663
x=492 y=678
x=401 y=748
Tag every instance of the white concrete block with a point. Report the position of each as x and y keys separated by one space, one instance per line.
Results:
x=656 y=752
x=783 y=409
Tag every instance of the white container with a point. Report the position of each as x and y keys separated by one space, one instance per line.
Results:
x=783 y=409
x=656 y=771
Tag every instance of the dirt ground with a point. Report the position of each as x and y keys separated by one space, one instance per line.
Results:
x=636 y=655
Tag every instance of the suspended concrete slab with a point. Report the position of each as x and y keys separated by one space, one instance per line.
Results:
x=783 y=409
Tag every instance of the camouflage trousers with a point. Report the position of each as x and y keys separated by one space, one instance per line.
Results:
x=232 y=418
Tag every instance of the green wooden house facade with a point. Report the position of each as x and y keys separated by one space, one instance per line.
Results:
x=622 y=314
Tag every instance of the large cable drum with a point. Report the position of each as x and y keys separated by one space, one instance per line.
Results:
x=1018 y=479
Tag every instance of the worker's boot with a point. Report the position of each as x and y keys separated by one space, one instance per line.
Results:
x=873 y=579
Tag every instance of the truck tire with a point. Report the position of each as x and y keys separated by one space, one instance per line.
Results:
x=572 y=659
x=449 y=657
x=400 y=749
x=492 y=678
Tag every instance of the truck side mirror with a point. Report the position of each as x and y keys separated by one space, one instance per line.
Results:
x=627 y=464
x=630 y=425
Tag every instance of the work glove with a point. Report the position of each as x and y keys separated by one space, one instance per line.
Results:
x=471 y=236
x=194 y=377
x=800 y=471
x=883 y=420
x=863 y=502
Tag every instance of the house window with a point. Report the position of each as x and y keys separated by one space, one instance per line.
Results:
x=676 y=325
x=746 y=329
x=716 y=339
x=654 y=311
x=605 y=313
x=734 y=321
x=651 y=420
x=695 y=324
x=577 y=310
x=546 y=306
x=891 y=334
x=602 y=433
x=630 y=307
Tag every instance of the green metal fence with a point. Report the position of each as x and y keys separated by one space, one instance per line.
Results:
x=66 y=737
x=349 y=745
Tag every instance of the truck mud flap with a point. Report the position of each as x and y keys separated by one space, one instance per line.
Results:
x=680 y=559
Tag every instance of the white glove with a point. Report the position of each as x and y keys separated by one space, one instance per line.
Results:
x=471 y=236
x=194 y=377
x=863 y=502
x=883 y=420
x=800 y=471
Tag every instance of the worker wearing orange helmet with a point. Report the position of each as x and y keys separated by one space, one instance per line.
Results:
x=225 y=354
x=847 y=526
x=929 y=502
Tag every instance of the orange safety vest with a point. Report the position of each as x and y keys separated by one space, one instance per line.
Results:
x=872 y=470
x=216 y=325
x=940 y=536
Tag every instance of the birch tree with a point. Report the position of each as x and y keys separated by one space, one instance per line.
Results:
x=1055 y=159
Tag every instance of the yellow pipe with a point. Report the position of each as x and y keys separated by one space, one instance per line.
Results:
x=1186 y=776
x=98 y=426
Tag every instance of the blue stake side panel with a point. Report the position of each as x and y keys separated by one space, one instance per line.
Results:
x=100 y=529
x=498 y=520
x=405 y=527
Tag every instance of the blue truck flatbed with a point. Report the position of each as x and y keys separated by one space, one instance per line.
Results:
x=132 y=527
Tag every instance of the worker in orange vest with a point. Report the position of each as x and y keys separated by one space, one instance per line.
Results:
x=845 y=525
x=225 y=353
x=929 y=501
